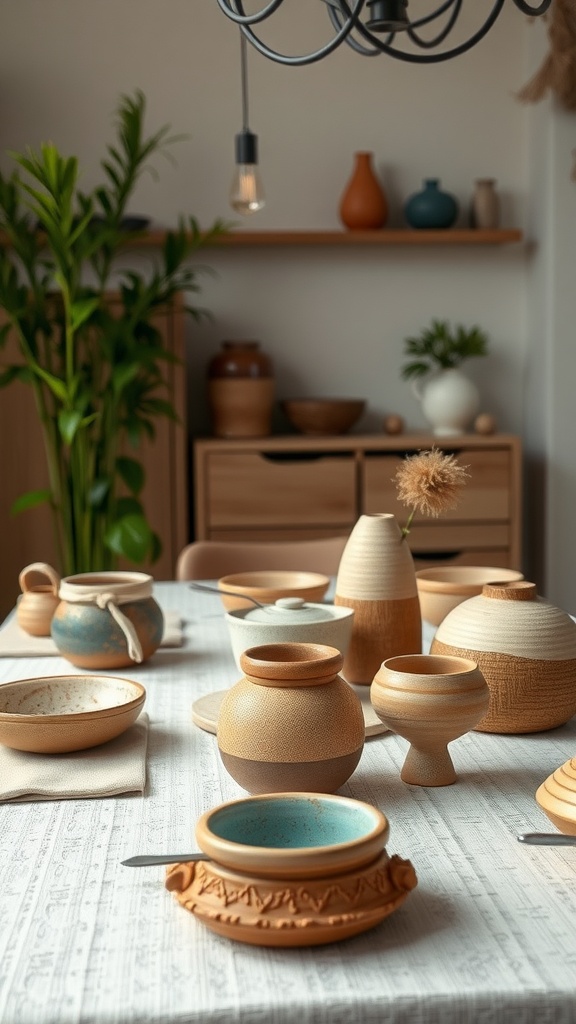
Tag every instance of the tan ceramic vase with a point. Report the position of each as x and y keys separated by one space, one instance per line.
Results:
x=376 y=578
x=39 y=584
x=363 y=204
x=526 y=649
x=557 y=797
x=292 y=869
x=107 y=619
x=291 y=723
x=485 y=209
x=241 y=390
x=429 y=701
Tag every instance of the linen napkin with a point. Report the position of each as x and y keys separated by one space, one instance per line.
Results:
x=15 y=643
x=118 y=766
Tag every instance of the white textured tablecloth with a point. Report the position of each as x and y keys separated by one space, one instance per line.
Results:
x=488 y=937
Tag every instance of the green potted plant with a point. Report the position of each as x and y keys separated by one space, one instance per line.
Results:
x=450 y=400
x=85 y=335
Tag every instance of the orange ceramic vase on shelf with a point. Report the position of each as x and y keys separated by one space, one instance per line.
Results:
x=376 y=578
x=363 y=204
x=241 y=390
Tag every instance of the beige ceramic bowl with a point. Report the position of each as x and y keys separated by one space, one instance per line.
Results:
x=323 y=415
x=268 y=585
x=58 y=714
x=445 y=586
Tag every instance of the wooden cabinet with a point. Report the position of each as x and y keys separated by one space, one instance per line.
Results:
x=28 y=537
x=303 y=487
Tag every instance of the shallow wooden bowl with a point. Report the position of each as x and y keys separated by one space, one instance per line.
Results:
x=292 y=869
x=323 y=415
x=58 y=714
x=269 y=585
x=443 y=587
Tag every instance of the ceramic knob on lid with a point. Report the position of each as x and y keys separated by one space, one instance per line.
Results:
x=526 y=650
x=290 y=609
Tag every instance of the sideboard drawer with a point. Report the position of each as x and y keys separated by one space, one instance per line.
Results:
x=486 y=495
x=247 y=489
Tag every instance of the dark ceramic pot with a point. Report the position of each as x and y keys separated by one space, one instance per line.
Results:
x=431 y=208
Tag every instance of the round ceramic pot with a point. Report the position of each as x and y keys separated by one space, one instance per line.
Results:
x=289 y=620
x=315 y=866
x=557 y=797
x=449 y=399
x=431 y=207
x=526 y=649
x=241 y=390
x=39 y=584
x=430 y=701
x=107 y=619
x=291 y=723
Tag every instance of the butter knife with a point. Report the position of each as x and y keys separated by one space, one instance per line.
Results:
x=547 y=839
x=147 y=860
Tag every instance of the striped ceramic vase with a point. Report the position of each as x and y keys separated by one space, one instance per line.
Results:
x=376 y=578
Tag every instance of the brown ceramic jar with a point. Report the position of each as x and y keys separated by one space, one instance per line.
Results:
x=241 y=390
x=291 y=724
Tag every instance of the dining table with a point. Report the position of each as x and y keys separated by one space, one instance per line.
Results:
x=488 y=935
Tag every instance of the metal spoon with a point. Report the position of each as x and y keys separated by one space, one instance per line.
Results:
x=229 y=593
x=547 y=839
x=146 y=860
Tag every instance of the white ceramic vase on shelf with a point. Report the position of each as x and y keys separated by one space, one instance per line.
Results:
x=449 y=399
x=376 y=578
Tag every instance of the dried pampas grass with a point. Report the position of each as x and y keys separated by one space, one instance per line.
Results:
x=430 y=483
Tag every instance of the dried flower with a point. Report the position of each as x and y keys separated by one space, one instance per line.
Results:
x=430 y=483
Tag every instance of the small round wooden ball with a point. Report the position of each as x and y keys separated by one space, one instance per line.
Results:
x=393 y=424
x=485 y=423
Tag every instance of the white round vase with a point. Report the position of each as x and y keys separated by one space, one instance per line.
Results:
x=450 y=401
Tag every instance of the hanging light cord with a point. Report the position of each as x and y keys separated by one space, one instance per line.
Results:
x=244 y=81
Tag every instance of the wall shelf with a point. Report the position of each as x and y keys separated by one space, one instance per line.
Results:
x=450 y=236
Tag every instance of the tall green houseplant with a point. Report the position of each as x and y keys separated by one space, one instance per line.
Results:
x=96 y=367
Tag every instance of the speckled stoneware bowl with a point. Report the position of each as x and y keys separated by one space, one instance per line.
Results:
x=292 y=869
x=268 y=585
x=58 y=714
x=289 y=620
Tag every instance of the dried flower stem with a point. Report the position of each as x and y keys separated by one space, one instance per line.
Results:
x=429 y=483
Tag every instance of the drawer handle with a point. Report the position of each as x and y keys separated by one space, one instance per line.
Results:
x=302 y=456
x=436 y=556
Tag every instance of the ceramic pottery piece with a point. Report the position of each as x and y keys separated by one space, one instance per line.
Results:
x=59 y=714
x=526 y=649
x=431 y=208
x=557 y=797
x=363 y=204
x=376 y=578
x=268 y=585
x=291 y=723
x=449 y=399
x=295 y=869
x=445 y=586
x=241 y=390
x=322 y=416
x=289 y=620
x=429 y=701
x=39 y=584
x=107 y=619
x=485 y=207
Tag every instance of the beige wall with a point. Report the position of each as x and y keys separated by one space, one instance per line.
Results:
x=333 y=320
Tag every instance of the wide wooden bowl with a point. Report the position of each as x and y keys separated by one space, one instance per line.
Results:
x=323 y=415
x=59 y=714
x=267 y=586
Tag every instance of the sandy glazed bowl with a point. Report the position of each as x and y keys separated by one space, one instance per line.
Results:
x=443 y=587
x=323 y=415
x=58 y=714
x=315 y=866
x=289 y=620
x=268 y=585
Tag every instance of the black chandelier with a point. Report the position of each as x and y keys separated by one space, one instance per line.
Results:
x=371 y=27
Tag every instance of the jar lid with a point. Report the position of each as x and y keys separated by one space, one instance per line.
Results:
x=290 y=609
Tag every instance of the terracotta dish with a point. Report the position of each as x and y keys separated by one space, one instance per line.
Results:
x=292 y=869
x=443 y=587
x=58 y=714
x=323 y=415
x=268 y=585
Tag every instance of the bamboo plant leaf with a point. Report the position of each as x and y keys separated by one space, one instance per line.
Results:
x=130 y=537
x=30 y=500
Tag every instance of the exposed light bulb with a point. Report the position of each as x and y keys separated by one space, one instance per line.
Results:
x=246 y=190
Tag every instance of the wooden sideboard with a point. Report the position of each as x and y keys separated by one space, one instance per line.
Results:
x=297 y=487
x=28 y=537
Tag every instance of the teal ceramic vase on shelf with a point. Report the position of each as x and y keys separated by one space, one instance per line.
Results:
x=431 y=207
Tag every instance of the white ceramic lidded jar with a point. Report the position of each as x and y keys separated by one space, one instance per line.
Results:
x=291 y=724
x=526 y=650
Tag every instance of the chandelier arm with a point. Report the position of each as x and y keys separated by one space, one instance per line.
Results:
x=435 y=14
x=334 y=13
x=235 y=13
x=427 y=44
x=308 y=58
x=533 y=12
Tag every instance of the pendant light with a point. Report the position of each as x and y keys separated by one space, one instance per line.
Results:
x=246 y=191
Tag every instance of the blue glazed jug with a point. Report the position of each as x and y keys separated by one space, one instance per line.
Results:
x=431 y=208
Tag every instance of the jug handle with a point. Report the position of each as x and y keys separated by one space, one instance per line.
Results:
x=417 y=387
x=43 y=569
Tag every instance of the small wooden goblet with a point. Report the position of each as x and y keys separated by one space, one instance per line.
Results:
x=429 y=700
